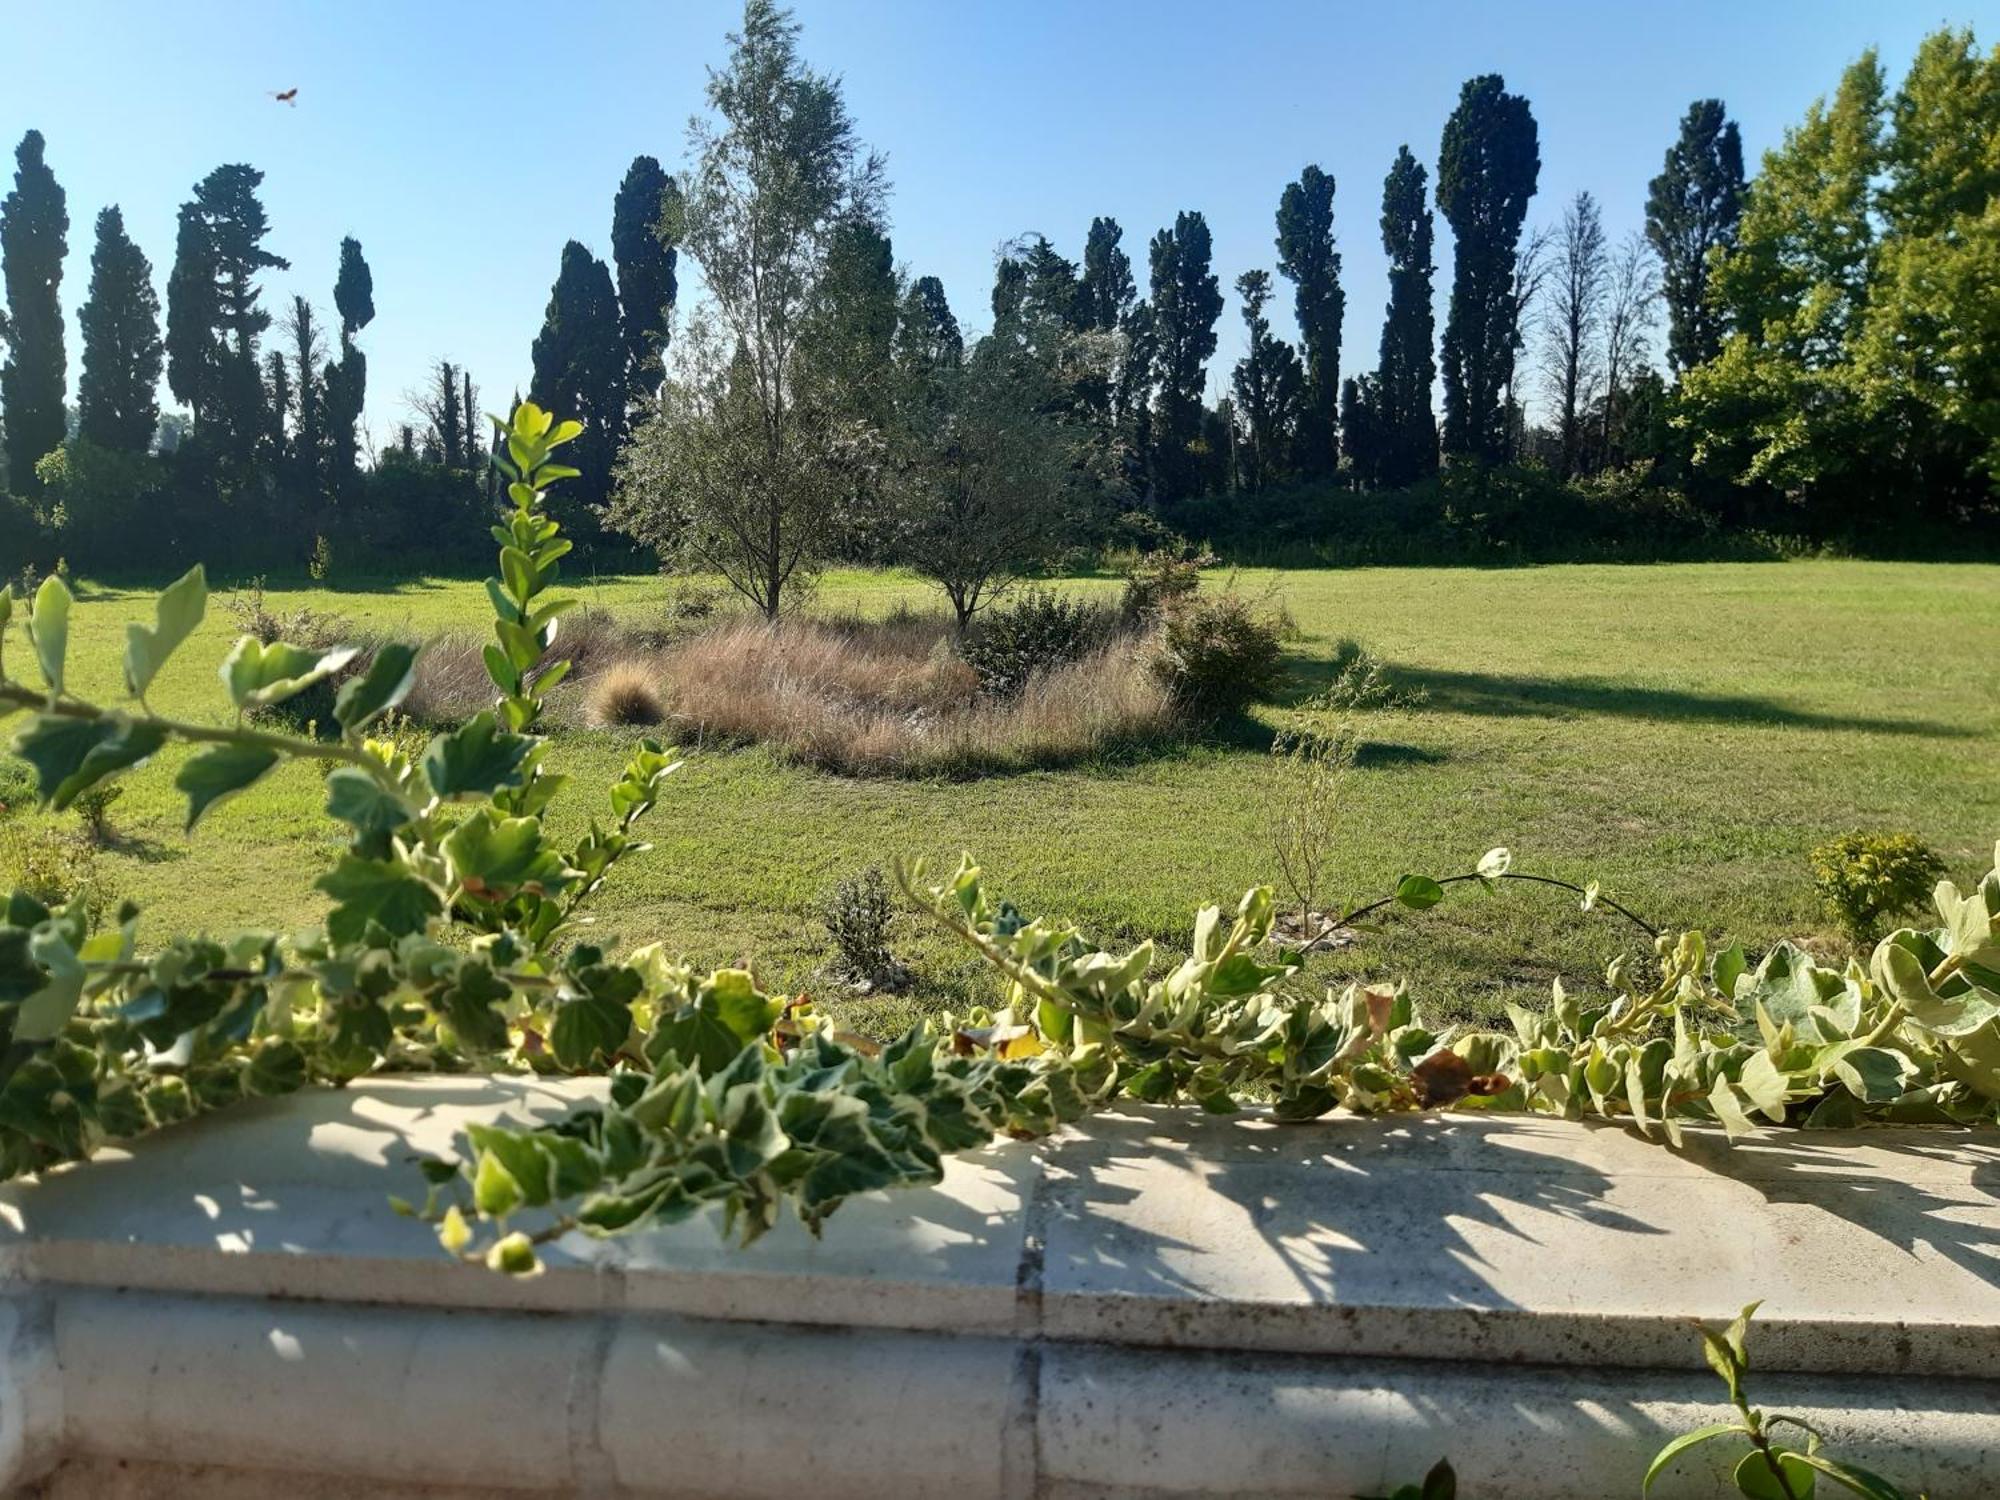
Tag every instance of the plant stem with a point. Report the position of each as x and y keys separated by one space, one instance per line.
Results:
x=1374 y=906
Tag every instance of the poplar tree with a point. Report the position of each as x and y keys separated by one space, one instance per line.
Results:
x=1308 y=259
x=34 y=237
x=1106 y=290
x=1186 y=301
x=1488 y=164
x=1397 y=403
x=1271 y=391
x=117 y=389
x=1693 y=209
x=345 y=382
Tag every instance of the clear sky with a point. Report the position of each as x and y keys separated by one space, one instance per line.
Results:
x=462 y=144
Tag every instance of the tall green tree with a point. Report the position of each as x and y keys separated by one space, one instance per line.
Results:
x=645 y=259
x=1692 y=210
x=345 y=381
x=579 y=370
x=1488 y=164
x=744 y=466
x=853 y=330
x=309 y=427
x=1861 y=373
x=1186 y=301
x=1308 y=259
x=34 y=238
x=193 y=312
x=117 y=391
x=215 y=328
x=1401 y=423
x=1106 y=290
x=1272 y=392
x=927 y=334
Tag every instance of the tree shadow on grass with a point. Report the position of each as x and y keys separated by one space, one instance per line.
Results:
x=1523 y=696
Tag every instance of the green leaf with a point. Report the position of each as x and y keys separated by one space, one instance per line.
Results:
x=1418 y=892
x=493 y=857
x=1441 y=1483
x=514 y=1256
x=277 y=1067
x=219 y=772
x=1853 y=1477
x=1687 y=1440
x=48 y=628
x=377 y=690
x=57 y=746
x=1730 y=966
x=44 y=1013
x=1722 y=1099
x=371 y=890
x=179 y=610
x=369 y=808
x=128 y=746
x=1754 y=1478
x=588 y=1027
x=258 y=675
x=1872 y=1074
x=494 y=1190
x=477 y=759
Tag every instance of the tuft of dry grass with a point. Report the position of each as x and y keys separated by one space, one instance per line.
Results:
x=626 y=694
x=892 y=698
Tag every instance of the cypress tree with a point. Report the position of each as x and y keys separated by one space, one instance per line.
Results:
x=1270 y=390
x=234 y=224
x=345 y=383
x=1692 y=211
x=927 y=335
x=579 y=373
x=193 y=310
x=116 y=391
x=1398 y=401
x=1307 y=258
x=1488 y=163
x=854 y=321
x=309 y=419
x=645 y=259
x=1106 y=290
x=34 y=237
x=1186 y=302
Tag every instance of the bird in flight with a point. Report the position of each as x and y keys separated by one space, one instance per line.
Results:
x=289 y=96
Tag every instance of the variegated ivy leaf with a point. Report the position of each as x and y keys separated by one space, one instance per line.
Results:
x=258 y=675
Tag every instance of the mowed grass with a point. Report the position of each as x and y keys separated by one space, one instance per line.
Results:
x=1682 y=734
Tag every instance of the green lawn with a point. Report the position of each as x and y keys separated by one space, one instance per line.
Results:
x=1684 y=734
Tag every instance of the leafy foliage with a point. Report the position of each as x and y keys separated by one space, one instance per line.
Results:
x=1864 y=877
x=1219 y=654
x=1040 y=630
x=1769 y=1470
x=857 y=914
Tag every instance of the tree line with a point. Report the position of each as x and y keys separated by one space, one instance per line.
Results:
x=1828 y=370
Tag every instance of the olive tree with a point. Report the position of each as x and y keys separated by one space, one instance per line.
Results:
x=731 y=468
x=986 y=483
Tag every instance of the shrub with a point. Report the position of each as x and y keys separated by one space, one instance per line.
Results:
x=857 y=914
x=1163 y=579
x=1864 y=877
x=93 y=807
x=54 y=865
x=17 y=786
x=1361 y=682
x=1038 y=631
x=625 y=695
x=1218 y=655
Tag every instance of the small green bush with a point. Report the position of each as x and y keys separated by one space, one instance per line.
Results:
x=1037 y=631
x=1163 y=579
x=1219 y=655
x=1864 y=877
x=54 y=865
x=17 y=786
x=857 y=914
x=92 y=805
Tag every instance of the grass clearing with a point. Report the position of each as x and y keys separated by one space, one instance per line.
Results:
x=1682 y=733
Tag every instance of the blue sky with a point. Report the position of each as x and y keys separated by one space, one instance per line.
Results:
x=462 y=144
